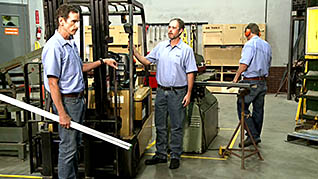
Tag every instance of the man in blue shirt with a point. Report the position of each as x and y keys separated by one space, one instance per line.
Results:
x=175 y=76
x=254 y=66
x=63 y=79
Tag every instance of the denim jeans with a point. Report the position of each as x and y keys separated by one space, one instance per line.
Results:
x=256 y=97
x=169 y=102
x=70 y=139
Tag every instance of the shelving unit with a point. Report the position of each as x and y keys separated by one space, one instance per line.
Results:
x=224 y=72
x=222 y=44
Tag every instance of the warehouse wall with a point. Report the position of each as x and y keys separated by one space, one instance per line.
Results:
x=14 y=1
x=230 y=12
x=32 y=6
x=215 y=12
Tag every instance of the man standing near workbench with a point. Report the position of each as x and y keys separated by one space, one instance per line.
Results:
x=254 y=66
x=63 y=79
x=175 y=76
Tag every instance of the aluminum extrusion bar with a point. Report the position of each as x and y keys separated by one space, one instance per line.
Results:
x=224 y=84
x=73 y=125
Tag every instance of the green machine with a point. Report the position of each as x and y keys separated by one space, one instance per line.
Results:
x=201 y=125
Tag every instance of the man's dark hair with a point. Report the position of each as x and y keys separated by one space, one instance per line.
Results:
x=180 y=22
x=64 y=10
x=254 y=28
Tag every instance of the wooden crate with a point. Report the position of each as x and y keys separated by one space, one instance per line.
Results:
x=222 y=55
x=120 y=37
x=120 y=40
x=122 y=48
x=233 y=34
x=213 y=34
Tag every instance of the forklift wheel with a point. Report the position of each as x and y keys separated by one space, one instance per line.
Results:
x=129 y=160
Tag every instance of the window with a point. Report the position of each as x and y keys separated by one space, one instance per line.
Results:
x=10 y=21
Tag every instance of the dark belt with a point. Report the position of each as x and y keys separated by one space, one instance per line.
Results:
x=73 y=95
x=259 y=78
x=171 y=87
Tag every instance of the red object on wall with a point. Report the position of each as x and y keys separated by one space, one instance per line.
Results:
x=38 y=33
x=152 y=80
x=37 y=18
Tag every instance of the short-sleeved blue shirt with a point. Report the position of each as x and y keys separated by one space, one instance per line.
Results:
x=61 y=59
x=173 y=63
x=257 y=55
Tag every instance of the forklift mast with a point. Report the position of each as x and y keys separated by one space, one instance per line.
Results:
x=99 y=18
x=104 y=117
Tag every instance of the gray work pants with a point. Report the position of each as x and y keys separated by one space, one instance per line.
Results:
x=169 y=102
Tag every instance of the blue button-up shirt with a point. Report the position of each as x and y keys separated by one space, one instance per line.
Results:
x=173 y=63
x=257 y=55
x=61 y=59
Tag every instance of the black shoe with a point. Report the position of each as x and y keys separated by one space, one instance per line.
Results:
x=248 y=142
x=155 y=160
x=174 y=163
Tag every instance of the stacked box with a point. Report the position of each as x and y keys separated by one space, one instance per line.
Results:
x=222 y=55
x=212 y=34
x=120 y=40
x=233 y=34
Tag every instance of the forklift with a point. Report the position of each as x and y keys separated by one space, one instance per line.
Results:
x=119 y=109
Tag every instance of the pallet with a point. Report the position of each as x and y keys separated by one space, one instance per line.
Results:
x=310 y=136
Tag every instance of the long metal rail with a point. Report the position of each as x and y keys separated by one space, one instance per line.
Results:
x=73 y=125
x=223 y=84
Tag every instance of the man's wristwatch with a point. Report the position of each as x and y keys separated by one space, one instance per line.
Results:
x=101 y=61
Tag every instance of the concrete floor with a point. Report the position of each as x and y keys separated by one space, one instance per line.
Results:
x=281 y=159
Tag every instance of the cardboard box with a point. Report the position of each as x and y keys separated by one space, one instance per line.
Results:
x=212 y=34
x=222 y=55
x=120 y=37
x=123 y=48
x=232 y=34
x=120 y=40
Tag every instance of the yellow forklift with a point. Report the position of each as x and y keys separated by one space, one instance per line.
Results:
x=115 y=108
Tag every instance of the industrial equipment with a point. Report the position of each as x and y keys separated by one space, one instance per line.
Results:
x=201 y=124
x=115 y=107
x=306 y=116
x=13 y=128
x=15 y=28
